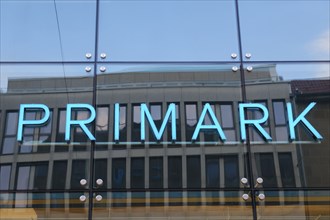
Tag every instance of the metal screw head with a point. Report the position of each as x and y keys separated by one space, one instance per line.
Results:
x=103 y=55
x=88 y=55
x=88 y=69
x=103 y=69
x=260 y=180
x=248 y=55
x=245 y=197
x=83 y=182
x=99 y=182
x=233 y=55
x=234 y=68
x=261 y=196
x=244 y=181
x=249 y=68
x=98 y=198
x=82 y=198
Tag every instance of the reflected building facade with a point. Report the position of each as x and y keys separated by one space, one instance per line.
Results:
x=45 y=176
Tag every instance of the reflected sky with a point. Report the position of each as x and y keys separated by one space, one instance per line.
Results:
x=286 y=30
x=165 y=30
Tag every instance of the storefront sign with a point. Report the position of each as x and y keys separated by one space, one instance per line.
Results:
x=169 y=116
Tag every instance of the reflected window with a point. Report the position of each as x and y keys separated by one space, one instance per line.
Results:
x=191 y=120
x=59 y=170
x=137 y=173
x=286 y=169
x=212 y=172
x=174 y=172
x=118 y=173
x=123 y=123
x=231 y=171
x=177 y=124
x=9 y=139
x=102 y=126
x=45 y=134
x=79 y=135
x=78 y=172
x=156 y=114
x=156 y=172
x=5 y=176
x=40 y=176
x=28 y=134
x=266 y=169
x=210 y=134
x=23 y=177
x=227 y=121
x=136 y=126
x=60 y=135
x=32 y=176
x=281 y=129
x=101 y=169
x=193 y=171
x=258 y=114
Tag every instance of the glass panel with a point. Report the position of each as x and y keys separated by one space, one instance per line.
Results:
x=300 y=85
x=51 y=33
x=295 y=205
x=43 y=206
x=168 y=30
x=55 y=86
x=300 y=33
x=211 y=204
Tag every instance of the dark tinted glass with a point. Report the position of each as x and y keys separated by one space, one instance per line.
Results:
x=266 y=169
x=286 y=169
x=231 y=171
x=174 y=172
x=78 y=172
x=156 y=172
x=59 y=174
x=119 y=173
x=212 y=172
x=137 y=173
x=193 y=172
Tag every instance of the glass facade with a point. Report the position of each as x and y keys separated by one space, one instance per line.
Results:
x=164 y=109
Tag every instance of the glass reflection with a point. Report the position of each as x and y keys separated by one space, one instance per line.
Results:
x=167 y=30
x=301 y=162
x=295 y=204
x=300 y=33
x=53 y=30
x=42 y=206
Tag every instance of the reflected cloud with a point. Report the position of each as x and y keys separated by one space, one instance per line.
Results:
x=321 y=45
